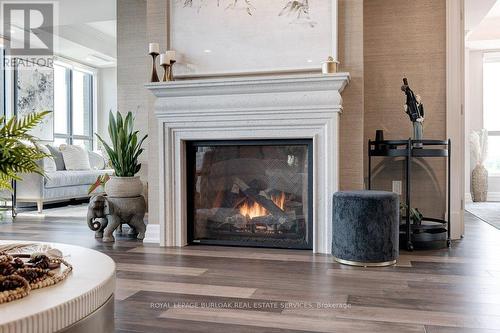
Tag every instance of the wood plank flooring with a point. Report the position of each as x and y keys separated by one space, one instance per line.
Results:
x=230 y=289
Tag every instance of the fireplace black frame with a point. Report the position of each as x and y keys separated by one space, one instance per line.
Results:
x=190 y=165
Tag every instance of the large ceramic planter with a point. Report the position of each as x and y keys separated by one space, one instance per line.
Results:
x=123 y=187
x=479 y=184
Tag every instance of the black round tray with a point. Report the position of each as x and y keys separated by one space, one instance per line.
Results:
x=432 y=233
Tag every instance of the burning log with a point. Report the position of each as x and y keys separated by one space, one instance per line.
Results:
x=293 y=206
x=267 y=220
x=238 y=221
x=255 y=195
x=271 y=224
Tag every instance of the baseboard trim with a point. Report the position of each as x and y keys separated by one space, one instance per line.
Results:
x=492 y=196
x=152 y=234
x=457 y=225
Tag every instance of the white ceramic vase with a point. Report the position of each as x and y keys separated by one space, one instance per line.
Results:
x=123 y=187
x=479 y=184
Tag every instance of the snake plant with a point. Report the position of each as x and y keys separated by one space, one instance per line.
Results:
x=125 y=147
x=19 y=152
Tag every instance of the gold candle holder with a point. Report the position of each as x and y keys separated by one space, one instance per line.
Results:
x=154 y=73
x=166 y=70
x=330 y=66
x=170 y=75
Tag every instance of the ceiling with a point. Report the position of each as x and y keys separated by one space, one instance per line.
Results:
x=482 y=22
x=475 y=11
x=84 y=31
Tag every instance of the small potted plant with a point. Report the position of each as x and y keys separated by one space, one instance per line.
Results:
x=123 y=153
x=416 y=217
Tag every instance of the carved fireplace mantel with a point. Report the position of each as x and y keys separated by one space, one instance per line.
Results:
x=249 y=108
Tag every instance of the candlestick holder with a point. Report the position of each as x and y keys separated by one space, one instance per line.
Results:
x=166 y=70
x=170 y=75
x=154 y=73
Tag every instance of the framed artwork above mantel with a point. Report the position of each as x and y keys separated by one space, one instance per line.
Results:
x=251 y=37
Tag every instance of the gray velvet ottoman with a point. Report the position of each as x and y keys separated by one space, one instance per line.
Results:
x=365 y=228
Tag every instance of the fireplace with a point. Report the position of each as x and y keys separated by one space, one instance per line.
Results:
x=233 y=111
x=250 y=193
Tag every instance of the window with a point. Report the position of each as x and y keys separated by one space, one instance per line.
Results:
x=491 y=109
x=73 y=106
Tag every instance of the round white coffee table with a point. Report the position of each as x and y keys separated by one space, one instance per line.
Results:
x=83 y=302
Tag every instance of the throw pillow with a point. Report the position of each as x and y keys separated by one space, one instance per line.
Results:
x=58 y=157
x=75 y=157
x=49 y=165
x=97 y=161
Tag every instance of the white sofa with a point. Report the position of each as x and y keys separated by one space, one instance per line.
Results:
x=60 y=185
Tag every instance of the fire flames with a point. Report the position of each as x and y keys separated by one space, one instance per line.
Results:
x=256 y=210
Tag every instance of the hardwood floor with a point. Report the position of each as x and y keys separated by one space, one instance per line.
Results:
x=229 y=289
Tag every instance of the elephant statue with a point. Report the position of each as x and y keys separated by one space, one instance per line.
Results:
x=105 y=214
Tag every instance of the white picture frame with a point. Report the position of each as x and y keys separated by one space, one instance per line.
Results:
x=212 y=39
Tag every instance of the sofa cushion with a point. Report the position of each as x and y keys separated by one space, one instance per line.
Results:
x=58 y=157
x=73 y=177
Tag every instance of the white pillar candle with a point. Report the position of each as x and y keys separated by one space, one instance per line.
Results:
x=164 y=59
x=171 y=55
x=154 y=48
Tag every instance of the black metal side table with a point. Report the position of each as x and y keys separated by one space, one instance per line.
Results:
x=434 y=230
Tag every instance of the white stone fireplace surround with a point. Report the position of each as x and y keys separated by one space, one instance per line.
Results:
x=245 y=108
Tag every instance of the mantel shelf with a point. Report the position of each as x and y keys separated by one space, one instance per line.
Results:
x=251 y=84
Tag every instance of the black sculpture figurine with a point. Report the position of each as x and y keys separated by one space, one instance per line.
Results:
x=415 y=110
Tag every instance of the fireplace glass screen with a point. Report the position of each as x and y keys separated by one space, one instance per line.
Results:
x=250 y=193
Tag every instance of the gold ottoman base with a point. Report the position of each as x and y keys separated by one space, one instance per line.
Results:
x=365 y=264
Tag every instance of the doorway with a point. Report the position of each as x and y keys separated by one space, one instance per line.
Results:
x=482 y=110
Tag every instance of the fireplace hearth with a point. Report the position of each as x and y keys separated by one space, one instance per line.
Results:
x=250 y=193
